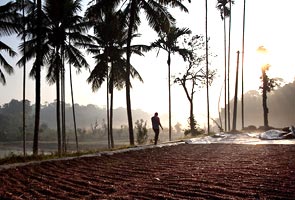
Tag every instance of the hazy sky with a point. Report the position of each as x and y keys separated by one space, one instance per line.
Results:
x=268 y=24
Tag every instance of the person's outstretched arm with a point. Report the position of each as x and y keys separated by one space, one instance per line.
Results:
x=160 y=124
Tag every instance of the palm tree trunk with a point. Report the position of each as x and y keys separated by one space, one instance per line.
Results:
x=169 y=92
x=63 y=116
x=108 y=110
x=111 y=116
x=243 y=47
x=73 y=108
x=225 y=73
x=236 y=95
x=59 y=145
x=24 y=82
x=128 y=100
x=73 y=103
x=38 y=80
x=228 y=65
x=207 y=73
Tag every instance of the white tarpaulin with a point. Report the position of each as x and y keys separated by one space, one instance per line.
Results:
x=268 y=137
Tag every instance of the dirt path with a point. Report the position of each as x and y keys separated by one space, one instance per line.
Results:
x=211 y=171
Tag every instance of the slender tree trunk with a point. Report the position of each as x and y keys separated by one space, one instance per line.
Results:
x=111 y=116
x=108 y=111
x=38 y=80
x=58 y=112
x=73 y=103
x=24 y=81
x=219 y=113
x=225 y=73
x=190 y=98
x=264 y=99
x=236 y=95
x=228 y=66
x=243 y=47
x=169 y=92
x=207 y=73
x=128 y=100
x=192 y=119
x=73 y=108
x=63 y=110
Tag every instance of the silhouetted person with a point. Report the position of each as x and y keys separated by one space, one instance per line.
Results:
x=156 y=126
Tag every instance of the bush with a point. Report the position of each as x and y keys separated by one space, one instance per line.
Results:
x=141 y=133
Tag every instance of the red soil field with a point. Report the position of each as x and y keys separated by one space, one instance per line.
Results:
x=183 y=171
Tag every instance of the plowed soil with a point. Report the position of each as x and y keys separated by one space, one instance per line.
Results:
x=200 y=171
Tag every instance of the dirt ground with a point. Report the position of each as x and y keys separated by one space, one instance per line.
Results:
x=184 y=171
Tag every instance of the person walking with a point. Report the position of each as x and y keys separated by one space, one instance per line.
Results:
x=156 y=126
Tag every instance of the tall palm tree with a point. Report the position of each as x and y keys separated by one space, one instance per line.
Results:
x=108 y=26
x=228 y=63
x=8 y=26
x=110 y=44
x=24 y=77
x=158 y=18
x=168 y=41
x=37 y=66
x=243 y=48
x=224 y=13
x=73 y=103
x=59 y=21
x=33 y=23
x=65 y=25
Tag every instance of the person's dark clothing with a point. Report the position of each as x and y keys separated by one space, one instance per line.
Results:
x=156 y=127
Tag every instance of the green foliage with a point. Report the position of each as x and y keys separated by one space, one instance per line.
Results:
x=141 y=133
x=271 y=83
x=11 y=120
x=194 y=129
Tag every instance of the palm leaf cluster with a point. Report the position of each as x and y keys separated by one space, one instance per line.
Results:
x=8 y=26
x=168 y=41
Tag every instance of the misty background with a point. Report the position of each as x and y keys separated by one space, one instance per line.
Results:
x=281 y=103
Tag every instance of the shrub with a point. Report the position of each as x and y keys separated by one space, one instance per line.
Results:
x=141 y=133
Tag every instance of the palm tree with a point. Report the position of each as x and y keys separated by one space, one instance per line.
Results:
x=59 y=21
x=224 y=12
x=24 y=77
x=158 y=18
x=8 y=26
x=65 y=26
x=110 y=44
x=168 y=41
x=228 y=63
x=73 y=103
x=243 y=48
x=34 y=49
x=37 y=66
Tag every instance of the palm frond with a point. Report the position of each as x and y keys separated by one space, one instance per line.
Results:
x=175 y=4
x=9 y=19
x=158 y=16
